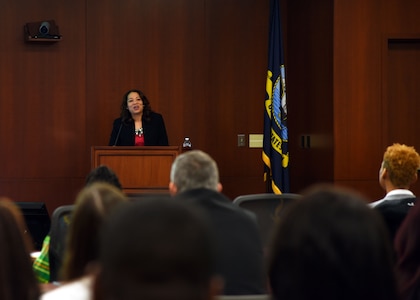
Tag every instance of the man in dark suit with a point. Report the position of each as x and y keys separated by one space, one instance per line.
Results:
x=194 y=179
x=397 y=173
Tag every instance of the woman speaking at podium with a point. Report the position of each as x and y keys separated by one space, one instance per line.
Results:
x=138 y=125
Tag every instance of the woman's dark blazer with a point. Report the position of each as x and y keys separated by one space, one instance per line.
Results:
x=154 y=132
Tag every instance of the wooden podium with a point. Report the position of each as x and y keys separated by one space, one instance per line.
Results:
x=141 y=170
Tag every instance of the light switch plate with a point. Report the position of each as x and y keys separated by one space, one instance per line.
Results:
x=241 y=140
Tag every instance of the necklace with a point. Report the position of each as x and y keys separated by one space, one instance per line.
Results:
x=139 y=131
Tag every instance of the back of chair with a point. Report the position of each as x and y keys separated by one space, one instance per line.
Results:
x=60 y=221
x=268 y=208
x=244 y=297
x=37 y=221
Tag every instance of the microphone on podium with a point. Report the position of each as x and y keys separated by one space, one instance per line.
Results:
x=118 y=135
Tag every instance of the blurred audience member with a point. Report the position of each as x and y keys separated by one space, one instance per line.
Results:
x=17 y=280
x=93 y=205
x=331 y=246
x=407 y=247
x=194 y=179
x=397 y=173
x=156 y=249
x=103 y=174
x=41 y=264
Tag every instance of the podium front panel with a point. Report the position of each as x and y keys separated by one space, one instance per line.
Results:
x=140 y=169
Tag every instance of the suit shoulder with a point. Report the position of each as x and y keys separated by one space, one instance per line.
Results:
x=396 y=207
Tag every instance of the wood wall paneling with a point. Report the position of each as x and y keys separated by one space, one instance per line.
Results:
x=363 y=85
x=195 y=60
x=401 y=64
x=203 y=65
x=236 y=90
x=309 y=80
x=335 y=63
x=357 y=94
x=362 y=107
x=155 y=46
x=42 y=104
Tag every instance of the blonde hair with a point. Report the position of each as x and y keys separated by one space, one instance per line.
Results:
x=402 y=163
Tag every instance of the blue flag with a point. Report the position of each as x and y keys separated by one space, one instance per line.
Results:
x=275 y=144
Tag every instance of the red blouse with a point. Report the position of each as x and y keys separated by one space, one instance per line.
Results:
x=139 y=140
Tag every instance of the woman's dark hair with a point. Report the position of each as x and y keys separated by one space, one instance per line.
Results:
x=125 y=114
x=155 y=248
x=17 y=280
x=330 y=245
x=103 y=174
x=93 y=205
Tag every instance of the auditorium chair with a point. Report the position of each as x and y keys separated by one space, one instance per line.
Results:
x=244 y=297
x=268 y=208
x=60 y=221
x=37 y=221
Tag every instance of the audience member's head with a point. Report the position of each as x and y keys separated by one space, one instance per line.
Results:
x=156 y=248
x=103 y=174
x=192 y=170
x=17 y=281
x=399 y=167
x=93 y=205
x=330 y=246
x=407 y=247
